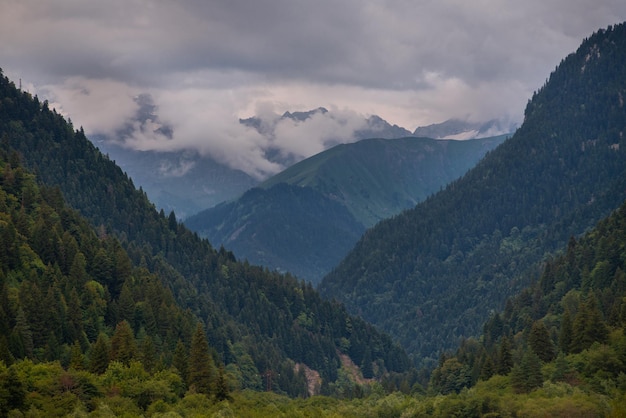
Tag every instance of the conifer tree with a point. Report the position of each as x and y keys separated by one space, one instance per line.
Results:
x=123 y=347
x=526 y=376
x=565 y=334
x=505 y=358
x=99 y=358
x=200 y=363
x=540 y=342
x=77 y=360
x=147 y=352
x=180 y=360
x=221 y=386
x=488 y=369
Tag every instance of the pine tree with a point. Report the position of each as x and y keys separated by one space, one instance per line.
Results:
x=77 y=360
x=540 y=342
x=488 y=369
x=100 y=357
x=505 y=358
x=180 y=360
x=221 y=386
x=366 y=366
x=147 y=353
x=200 y=363
x=526 y=376
x=588 y=326
x=123 y=347
x=565 y=335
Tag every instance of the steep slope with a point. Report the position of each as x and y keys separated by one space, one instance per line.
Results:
x=431 y=275
x=269 y=320
x=289 y=228
x=184 y=181
x=377 y=178
x=308 y=227
x=570 y=323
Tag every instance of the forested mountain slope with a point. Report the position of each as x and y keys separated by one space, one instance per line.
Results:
x=306 y=219
x=565 y=331
x=378 y=178
x=431 y=275
x=266 y=320
x=287 y=228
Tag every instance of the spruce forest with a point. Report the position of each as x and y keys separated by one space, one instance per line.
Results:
x=502 y=295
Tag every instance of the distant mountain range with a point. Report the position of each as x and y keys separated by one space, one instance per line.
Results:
x=432 y=275
x=305 y=219
x=183 y=181
x=186 y=182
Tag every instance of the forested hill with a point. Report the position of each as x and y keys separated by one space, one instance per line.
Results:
x=267 y=321
x=305 y=219
x=431 y=275
x=569 y=324
x=377 y=178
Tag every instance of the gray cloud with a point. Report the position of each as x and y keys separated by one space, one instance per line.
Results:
x=208 y=63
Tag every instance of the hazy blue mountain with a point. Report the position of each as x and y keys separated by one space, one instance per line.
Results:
x=307 y=227
x=460 y=129
x=182 y=181
x=432 y=275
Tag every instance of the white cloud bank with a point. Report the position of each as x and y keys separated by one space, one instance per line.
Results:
x=208 y=63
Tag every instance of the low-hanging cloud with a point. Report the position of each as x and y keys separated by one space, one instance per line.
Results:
x=208 y=63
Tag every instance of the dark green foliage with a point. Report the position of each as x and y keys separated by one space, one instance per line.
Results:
x=130 y=256
x=592 y=350
x=290 y=228
x=540 y=342
x=505 y=358
x=431 y=275
x=305 y=219
x=12 y=392
x=588 y=326
x=526 y=376
x=100 y=355
x=201 y=377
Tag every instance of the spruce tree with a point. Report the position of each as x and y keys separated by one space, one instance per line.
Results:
x=100 y=357
x=566 y=333
x=180 y=360
x=123 y=347
x=505 y=358
x=221 y=386
x=200 y=363
x=540 y=342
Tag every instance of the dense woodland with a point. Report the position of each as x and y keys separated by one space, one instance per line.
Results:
x=558 y=349
x=125 y=264
x=432 y=275
x=111 y=308
x=308 y=217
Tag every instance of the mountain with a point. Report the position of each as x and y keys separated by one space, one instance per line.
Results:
x=570 y=323
x=254 y=321
x=371 y=127
x=305 y=219
x=181 y=181
x=431 y=275
x=287 y=228
x=377 y=178
x=461 y=129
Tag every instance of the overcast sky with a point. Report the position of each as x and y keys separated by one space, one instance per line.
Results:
x=207 y=63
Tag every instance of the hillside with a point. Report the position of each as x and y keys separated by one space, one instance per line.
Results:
x=255 y=321
x=432 y=275
x=565 y=332
x=377 y=178
x=182 y=181
x=305 y=219
x=287 y=228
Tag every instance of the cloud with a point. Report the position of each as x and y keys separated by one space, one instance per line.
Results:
x=208 y=63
